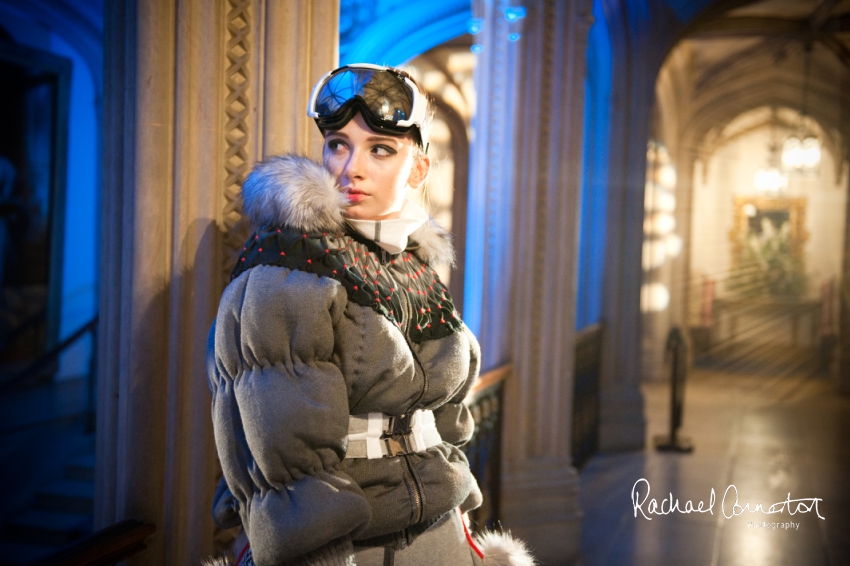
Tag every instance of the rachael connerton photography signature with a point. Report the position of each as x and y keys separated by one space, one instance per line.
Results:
x=728 y=507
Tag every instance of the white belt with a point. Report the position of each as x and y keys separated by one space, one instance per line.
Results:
x=377 y=435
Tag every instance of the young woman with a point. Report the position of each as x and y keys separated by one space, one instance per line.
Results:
x=337 y=362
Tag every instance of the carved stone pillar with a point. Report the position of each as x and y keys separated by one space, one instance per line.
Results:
x=195 y=93
x=680 y=284
x=673 y=96
x=301 y=43
x=489 y=238
x=673 y=273
x=621 y=420
x=539 y=484
x=842 y=349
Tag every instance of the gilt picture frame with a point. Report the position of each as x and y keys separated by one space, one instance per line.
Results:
x=750 y=212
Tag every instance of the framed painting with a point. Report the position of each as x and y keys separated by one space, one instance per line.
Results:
x=768 y=240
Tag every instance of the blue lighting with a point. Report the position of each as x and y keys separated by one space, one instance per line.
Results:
x=393 y=32
x=475 y=25
x=594 y=197
x=514 y=36
x=514 y=13
x=477 y=48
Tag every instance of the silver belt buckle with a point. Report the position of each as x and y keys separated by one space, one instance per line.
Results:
x=397 y=445
x=397 y=436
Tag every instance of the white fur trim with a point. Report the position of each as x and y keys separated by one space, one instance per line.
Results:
x=295 y=191
x=502 y=549
x=435 y=244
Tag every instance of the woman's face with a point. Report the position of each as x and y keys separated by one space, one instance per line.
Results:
x=373 y=169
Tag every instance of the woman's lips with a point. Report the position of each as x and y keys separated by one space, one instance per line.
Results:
x=354 y=196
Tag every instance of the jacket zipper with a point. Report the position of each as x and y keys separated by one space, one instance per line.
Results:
x=415 y=488
x=417 y=493
x=410 y=478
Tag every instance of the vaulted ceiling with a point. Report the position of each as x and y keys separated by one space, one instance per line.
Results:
x=772 y=25
x=739 y=55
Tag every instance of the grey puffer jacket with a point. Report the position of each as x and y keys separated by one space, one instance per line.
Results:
x=318 y=324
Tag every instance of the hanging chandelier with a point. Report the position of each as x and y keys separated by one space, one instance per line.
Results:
x=769 y=177
x=801 y=153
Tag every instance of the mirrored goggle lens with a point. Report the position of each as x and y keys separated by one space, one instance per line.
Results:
x=386 y=96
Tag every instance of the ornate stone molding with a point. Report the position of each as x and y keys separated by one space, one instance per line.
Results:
x=236 y=129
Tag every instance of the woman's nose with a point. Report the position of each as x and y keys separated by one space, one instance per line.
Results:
x=354 y=165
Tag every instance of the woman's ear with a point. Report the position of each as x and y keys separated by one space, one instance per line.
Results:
x=419 y=172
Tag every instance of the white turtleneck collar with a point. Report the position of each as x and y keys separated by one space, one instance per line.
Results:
x=392 y=234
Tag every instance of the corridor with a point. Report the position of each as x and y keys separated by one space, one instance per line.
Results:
x=769 y=434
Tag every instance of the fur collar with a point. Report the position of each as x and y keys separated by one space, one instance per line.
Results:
x=295 y=191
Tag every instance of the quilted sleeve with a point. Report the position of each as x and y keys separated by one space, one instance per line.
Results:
x=280 y=415
x=454 y=420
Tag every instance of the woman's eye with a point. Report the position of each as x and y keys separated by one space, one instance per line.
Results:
x=383 y=150
x=335 y=145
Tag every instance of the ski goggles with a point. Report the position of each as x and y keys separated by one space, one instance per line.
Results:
x=388 y=99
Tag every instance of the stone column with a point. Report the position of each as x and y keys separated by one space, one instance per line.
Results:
x=672 y=273
x=539 y=484
x=842 y=349
x=489 y=240
x=184 y=98
x=300 y=43
x=621 y=420
x=683 y=289
x=673 y=96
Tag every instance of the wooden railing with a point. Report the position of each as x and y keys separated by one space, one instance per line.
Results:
x=484 y=449
x=106 y=547
x=486 y=401
x=8 y=383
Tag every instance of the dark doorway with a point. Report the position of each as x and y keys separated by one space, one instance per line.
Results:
x=34 y=104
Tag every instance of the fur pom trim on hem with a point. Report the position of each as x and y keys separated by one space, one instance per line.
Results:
x=502 y=549
x=499 y=549
x=215 y=561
